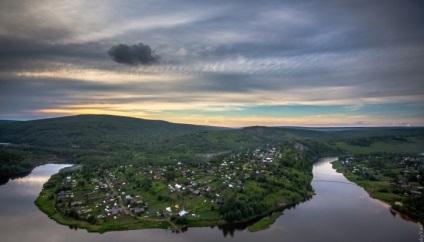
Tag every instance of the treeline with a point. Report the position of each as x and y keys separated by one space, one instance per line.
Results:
x=368 y=141
x=317 y=149
x=237 y=208
x=14 y=162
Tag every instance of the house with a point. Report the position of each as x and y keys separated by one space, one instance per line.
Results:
x=77 y=203
x=61 y=195
x=415 y=193
x=67 y=182
x=151 y=213
x=115 y=210
x=166 y=213
x=137 y=210
x=182 y=213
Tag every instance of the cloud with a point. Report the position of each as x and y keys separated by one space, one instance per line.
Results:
x=134 y=55
x=235 y=53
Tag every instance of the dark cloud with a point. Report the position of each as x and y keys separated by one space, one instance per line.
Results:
x=140 y=54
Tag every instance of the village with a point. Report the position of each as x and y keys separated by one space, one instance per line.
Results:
x=176 y=191
x=399 y=175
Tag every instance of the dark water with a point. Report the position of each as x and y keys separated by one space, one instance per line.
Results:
x=340 y=211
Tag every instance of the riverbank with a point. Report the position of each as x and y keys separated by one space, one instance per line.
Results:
x=374 y=190
x=265 y=222
x=18 y=161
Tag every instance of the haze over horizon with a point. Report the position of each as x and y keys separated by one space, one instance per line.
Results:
x=220 y=63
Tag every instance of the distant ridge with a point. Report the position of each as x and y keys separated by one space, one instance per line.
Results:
x=94 y=131
x=111 y=133
x=8 y=121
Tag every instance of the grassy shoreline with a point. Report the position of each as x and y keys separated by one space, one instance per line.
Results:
x=265 y=222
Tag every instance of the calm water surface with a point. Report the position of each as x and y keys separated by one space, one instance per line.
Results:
x=341 y=211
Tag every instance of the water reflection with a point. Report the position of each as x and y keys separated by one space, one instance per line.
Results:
x=4 y=180
x=339 y=212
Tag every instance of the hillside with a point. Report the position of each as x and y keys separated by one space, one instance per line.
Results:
x=103 y=132
x=115 y=133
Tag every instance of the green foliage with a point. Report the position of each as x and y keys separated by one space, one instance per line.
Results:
x=236 y=209
x=170 y=175
x=412 y=206
x=145 y=184
x=179 y=220
x=15 y=161
x=110 y=133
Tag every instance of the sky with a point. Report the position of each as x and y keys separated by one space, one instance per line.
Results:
x=220 y=63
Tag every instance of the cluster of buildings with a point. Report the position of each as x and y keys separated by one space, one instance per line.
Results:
x=116 y=191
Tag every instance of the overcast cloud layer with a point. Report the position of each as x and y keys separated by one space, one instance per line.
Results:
x=230 y=63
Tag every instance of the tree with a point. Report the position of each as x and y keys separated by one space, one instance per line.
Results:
x=145 y=184
x=170 y=175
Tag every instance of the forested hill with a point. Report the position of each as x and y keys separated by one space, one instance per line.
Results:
x=116 y=133
x=111 y=133
x=94 y=131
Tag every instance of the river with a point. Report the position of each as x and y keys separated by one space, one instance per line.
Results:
x=340 y=211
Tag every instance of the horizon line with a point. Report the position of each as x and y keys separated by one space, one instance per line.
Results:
x=234 y=127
